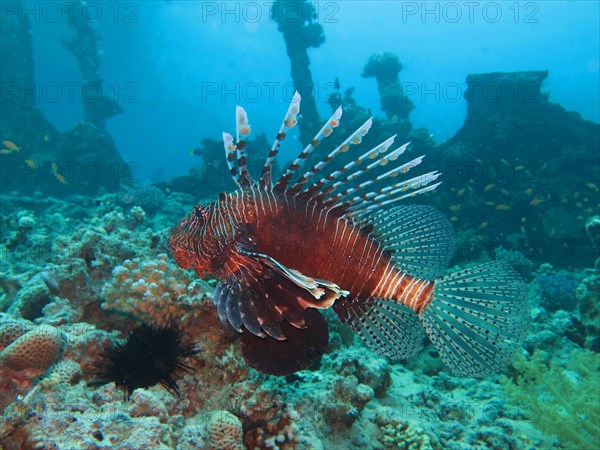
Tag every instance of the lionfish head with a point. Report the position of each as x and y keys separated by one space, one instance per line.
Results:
x=194 y=243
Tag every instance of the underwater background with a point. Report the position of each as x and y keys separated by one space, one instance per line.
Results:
x=110 y=122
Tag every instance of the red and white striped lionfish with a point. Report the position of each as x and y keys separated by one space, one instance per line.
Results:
x=284 y=250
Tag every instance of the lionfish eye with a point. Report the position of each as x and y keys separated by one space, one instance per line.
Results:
x=201 y=212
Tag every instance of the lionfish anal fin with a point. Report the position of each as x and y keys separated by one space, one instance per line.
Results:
x=301 y=347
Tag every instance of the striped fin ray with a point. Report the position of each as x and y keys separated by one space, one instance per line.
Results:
x=242 y=130
x=230 y=156
x=419 y=184
x=478 y=318
x=349 y=190
x=421 y=238
x=388 y=328
x=316 y=190
x=289 y=121
x=370 y=202
x=343 y=200
x=354 y=139
x=323 y=133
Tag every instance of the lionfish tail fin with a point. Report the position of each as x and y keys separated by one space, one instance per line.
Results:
x=477 y=319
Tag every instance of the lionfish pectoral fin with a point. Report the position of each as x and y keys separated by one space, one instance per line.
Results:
x=477 y=319
x=236 y=307
x=387 y=327
x=261 y=298
x=284 y=357
x=323 y=293
x=420 y=237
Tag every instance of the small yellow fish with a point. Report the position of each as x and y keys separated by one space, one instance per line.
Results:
x=55 y=169
x=31 y=164
x=502 y=207
x=454 y=207
x=489 y=187
x=12 y=146
x=592 y=186
x=46 y=138
x=483 y=225
x=461 y=192
x=61 y=179
x=504 y=192
x=536 y=201
x=529 y=191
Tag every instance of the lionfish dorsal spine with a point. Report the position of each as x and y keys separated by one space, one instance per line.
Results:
x=364 y=209
x=242 y=130
x=344 y=199
x=354 y=139
x=392 y=156
x=289 y=121
x=373 y=153
x=325 y=131
x=230 y=157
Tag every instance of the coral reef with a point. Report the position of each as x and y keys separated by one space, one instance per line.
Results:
x=153 y=291
x=28 y=356
x=563 y=396
x=400 y=434
x=503 y=166
x=280 y=435
x=557 y=291
x=224 y=431
x=97 y=272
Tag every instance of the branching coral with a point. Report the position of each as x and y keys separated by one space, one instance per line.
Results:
x=280 y=435
x=563 y=397
x=398 y=433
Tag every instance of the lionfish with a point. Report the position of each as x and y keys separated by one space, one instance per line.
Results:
x=319 y=239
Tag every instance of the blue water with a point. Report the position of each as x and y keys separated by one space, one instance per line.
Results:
x=179 y=68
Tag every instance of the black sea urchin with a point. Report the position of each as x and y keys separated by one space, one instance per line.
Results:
x=150 y=355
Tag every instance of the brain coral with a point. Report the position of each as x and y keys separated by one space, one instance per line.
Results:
x=35 y=351
x=224 y=431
